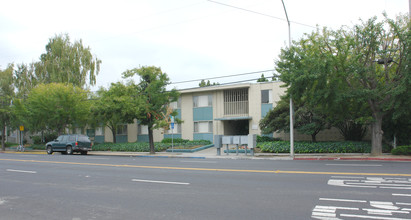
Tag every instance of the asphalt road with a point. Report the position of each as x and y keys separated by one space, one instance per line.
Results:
x=79 y=187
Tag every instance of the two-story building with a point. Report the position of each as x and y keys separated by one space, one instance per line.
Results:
x=207 y=111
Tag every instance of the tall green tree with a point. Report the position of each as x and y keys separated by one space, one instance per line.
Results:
x=308 y=120
x=6 y=96
x=203 y=83
x=367 y=63
x=25 y=79
x=67 y=62
x=54 y=106
x=119 y=104
x=156 y=99
x=262 y=78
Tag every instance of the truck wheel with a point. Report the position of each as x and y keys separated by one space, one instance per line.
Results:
x=69 y=150
x=49 y=150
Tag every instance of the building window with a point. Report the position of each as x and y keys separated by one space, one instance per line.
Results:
x=203 y=127
x=142 y=129
x=176 y=130
x=176 y=104
x=266 y=96
x=121 y=129
x=99 y=131
x=203 y=101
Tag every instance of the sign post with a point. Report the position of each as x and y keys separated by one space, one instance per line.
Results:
x=21 y=134
x=172 y=133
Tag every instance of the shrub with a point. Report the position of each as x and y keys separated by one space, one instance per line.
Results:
x=50 y=137
x=402 y=150
x=266 y=139
x=131 y=147
x=36 y=139
x=175 y=140
x=38 y=147
x=198 y=142
x=143 y=146
x=318 y=147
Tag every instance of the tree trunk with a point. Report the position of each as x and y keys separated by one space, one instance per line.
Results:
x=313 y=137
x=113 y=131
x=376 y=135
x=151 y=139
x=3 y=138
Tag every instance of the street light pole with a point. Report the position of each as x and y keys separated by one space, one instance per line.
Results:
x=291 y=99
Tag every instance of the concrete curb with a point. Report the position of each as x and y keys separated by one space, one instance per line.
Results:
x=356 y=158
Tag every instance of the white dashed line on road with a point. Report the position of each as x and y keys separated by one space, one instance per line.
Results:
x=21 y=171
x=156 y=181
x=396 y=194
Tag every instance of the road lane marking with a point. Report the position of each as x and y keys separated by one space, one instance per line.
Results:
x=354 y=165
x=21 y=171
x=156 y=181
x=372 y=182
x=343 y=200
x=372 y=217
x=213 y=169
x=396 y=194
x=384 y=210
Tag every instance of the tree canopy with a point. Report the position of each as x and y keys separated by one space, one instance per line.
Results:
x=367 y=64
x=54 y=106
x=116 y=105
x=308 y=120
x=63 y=62
x=152 y=90
x=203 y=83
x=6 y=96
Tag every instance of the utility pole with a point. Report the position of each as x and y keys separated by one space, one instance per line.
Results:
x=291 y=99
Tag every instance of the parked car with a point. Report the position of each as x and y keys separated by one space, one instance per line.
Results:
x=67 y=144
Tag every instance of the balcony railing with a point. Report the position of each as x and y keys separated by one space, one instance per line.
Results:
x=239 y=108
x=236 y=102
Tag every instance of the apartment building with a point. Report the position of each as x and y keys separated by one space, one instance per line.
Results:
x=207 y=111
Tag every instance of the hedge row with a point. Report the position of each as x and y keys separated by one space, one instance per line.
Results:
x=318 y=147
x=402 y=150
x=130 y=147
x=185 y=142
x=144 y=147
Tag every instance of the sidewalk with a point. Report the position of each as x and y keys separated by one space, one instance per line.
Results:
x=211 y=153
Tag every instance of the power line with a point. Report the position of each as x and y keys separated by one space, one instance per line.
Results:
x=219 y=77
x=259 y=13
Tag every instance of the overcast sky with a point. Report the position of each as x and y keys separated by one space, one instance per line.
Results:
x=188 y=39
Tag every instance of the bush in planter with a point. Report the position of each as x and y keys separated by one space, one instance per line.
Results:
x=175 y=140
x=402 y=150
x=130 y=147
x=318 y=147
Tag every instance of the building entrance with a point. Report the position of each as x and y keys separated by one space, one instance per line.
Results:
x=236 y=127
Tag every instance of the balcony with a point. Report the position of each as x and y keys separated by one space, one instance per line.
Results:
x=236 y=103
